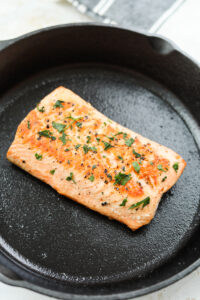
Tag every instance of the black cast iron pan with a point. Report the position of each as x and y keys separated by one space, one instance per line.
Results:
x=55 y=246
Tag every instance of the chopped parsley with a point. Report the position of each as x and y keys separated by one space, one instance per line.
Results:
x=58 y=103
x=120 y=157
x=109 y=176
x=94 y=167
x=63 y=138
x=164 y=178
x=123 y=202
x=73 y=121
x=124 y=135
x=67 y=149
x=91 y=178
x=160 y=168
x=47 y=134
x=107 y=145
x=52 y=171
x=104 y=123
x=77 y=146
x=151 y=163
x=28 y=124
x=58 y=126
x=38 y=156
x=136 y=153
x=42 y=109
x=110 y=138
x=144 y=202
x=94 y=149
x=98 y=140
x=175 y=166
x=118 y=133
x=79 y=124
x=88 y=139
x=136 y=166
x=86 y=149
x=129 y=142
x=122 y=178
x=71 y=178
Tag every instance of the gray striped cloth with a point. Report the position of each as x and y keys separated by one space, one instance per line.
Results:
x=134 y=14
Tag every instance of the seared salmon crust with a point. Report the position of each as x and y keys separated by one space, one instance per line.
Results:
x=85 y=156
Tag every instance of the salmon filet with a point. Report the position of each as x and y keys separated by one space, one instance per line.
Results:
x=83 y=155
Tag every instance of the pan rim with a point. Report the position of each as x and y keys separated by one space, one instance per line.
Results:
x=30 y=284
x=125 y=295
x=10 y=42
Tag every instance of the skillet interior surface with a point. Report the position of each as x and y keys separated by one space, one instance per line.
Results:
x=60 y=239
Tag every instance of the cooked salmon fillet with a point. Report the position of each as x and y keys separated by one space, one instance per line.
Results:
x=83 y=155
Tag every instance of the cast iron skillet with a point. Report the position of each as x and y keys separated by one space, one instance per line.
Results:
x=55 y=246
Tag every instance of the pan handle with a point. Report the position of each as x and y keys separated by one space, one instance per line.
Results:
x=161 y=45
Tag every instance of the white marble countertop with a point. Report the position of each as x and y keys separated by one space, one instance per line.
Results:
x=20 y=16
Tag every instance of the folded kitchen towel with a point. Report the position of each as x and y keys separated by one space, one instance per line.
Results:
x=134 y=14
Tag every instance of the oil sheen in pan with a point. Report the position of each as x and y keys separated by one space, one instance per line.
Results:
x=54 y=234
